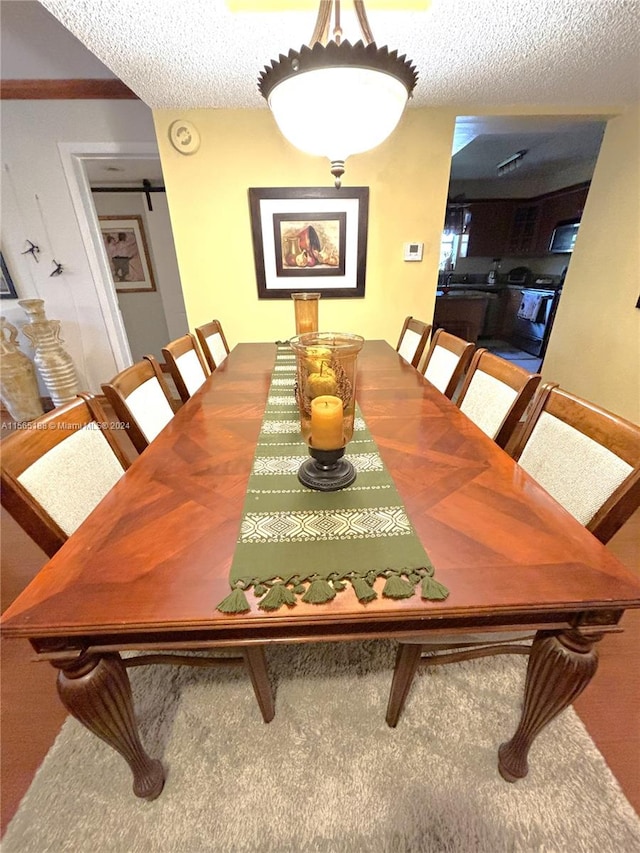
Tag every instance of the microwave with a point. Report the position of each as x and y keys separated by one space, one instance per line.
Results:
x=564 y=236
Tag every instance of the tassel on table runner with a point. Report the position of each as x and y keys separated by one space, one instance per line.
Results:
x=299 y=544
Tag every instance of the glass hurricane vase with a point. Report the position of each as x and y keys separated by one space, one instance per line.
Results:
x=306 y=311
x=326 y=397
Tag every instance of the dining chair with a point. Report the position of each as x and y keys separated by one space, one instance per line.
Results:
x=186 y=365
x=54 y=474
x=495 y=394
x=58 y=470
x=446 y=361
x=588 y=459
x=141 y=400
x=413 y=340
x=213 y=342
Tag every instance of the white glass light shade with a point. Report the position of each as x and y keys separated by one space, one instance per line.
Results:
x=335 y=100
x=336 y=112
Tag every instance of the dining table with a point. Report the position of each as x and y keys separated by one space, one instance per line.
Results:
x=147 y=568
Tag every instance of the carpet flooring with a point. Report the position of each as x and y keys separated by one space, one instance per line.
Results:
x=327 y=774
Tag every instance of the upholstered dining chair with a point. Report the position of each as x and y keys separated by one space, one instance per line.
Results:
x=588 y=459
x=141 y=400
x=495 y=394
x=186 y=365
x=213 y=342
x=446 y=361
x=57 y=471
x=413 y=340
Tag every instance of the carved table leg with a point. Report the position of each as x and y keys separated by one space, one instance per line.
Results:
x=256 y=663
x=407 y=661
x=96 y=691
x=560 y=667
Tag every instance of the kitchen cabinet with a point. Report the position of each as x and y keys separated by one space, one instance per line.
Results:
x=461 y=315
x=490 y=228
x=511 y=300
x=564 y=205
x=521 y=227
x=524 y=230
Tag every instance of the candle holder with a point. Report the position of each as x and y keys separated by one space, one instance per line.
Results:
x=326 y=398
x=306 y=309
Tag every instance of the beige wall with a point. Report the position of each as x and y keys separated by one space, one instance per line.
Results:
x=207 y=192
x=594 y=350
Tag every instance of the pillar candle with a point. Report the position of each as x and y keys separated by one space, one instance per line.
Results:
x=327 y=431
x=306 y=325
x=306 y=312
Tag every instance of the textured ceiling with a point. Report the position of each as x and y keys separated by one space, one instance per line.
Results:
x=551 y=148
x=477 y=53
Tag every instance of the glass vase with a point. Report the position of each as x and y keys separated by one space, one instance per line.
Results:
x=326 y=398
x=306 y=310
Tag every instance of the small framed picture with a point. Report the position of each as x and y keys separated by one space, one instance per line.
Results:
x=126 y=245
x=312 y=238
x=7 y=287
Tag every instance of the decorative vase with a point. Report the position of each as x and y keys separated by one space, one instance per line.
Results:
x=326 y=397
x=306 y=308
x=53 y=362
x=18 y=383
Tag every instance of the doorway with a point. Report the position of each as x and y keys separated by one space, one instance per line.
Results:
x=514 y=183
x=78 y=159
x=131 y=208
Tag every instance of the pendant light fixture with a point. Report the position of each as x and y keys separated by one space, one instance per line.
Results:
x=334 y=99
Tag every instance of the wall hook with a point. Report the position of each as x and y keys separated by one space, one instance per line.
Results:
x=33 y=250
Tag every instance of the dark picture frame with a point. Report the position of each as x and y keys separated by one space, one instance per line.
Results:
x=310 y=238
x=7 y=287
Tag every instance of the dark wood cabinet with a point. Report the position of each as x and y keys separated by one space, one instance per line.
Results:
x=490 y=228
x=517 y=227
x=564 y=205
x=463 y=316
x=524 y=230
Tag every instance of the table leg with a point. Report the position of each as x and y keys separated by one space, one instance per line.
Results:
x=407 y=660
x=560 y=667
x=96 y=691
x=256 y=664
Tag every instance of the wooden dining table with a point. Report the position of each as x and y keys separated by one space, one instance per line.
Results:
x=147 y=568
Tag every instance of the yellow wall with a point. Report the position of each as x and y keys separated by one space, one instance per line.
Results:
x=407 y=175
x=594 y=350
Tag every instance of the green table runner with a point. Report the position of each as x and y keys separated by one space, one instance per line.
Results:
x=297 y=542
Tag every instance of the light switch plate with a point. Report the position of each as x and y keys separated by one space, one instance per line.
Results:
x=413 y=251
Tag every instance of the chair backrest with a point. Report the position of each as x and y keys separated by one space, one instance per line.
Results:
x=55 y=472
x=413 y=340
x=142 y=401
x=587 y=458
x=186 y=365
x=446 y=361
x=495 y=394
x=213 y=342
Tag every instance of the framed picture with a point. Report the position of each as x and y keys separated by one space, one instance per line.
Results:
x=310 y=238
x=7 y=288
x=126 y=246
